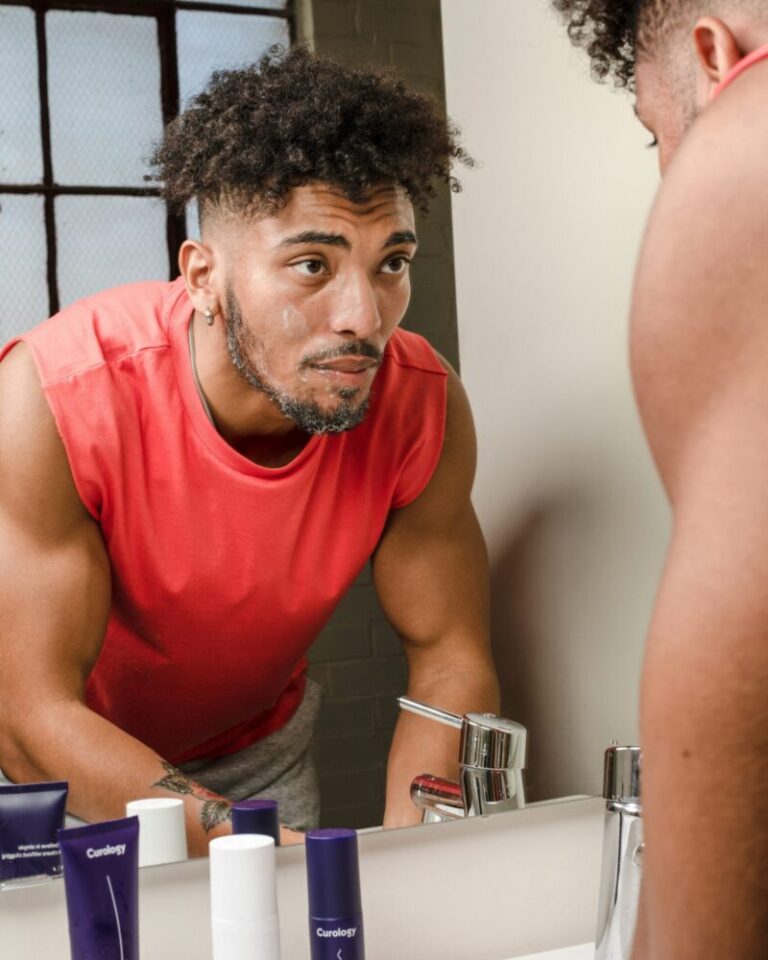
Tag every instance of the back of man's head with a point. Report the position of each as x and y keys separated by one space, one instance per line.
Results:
x=254 y=134
x=616 y=32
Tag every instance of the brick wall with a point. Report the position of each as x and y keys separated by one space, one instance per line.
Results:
x=358 y=658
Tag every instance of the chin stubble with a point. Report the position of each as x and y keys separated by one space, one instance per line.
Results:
x=307 y=414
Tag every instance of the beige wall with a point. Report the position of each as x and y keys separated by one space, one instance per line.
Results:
x=545 y=237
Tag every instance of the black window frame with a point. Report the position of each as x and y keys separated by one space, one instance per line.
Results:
x=164 y=13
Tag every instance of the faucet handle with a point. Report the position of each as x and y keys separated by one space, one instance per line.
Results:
x=487 y=741
x=621 y=774
x=493 y=742
x=431 y=713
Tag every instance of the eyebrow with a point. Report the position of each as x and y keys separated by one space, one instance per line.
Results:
x=316 y=236
x=398 y=237
x=338 y=240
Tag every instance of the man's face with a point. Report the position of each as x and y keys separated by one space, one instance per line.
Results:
x=666 y=101
x=311 y=296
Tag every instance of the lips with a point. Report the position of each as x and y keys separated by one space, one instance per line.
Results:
x=346 y=365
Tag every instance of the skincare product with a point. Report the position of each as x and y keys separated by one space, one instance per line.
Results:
x=101 y=878
x=256 y=816
x=244 y=922
x=335 y=904
x=162 y=832
x=31 y=814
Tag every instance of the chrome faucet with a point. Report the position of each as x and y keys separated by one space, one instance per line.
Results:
x=622 y=854
x=491 y=764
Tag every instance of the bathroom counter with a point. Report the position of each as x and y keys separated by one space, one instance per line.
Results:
x=512 y=885
x=585 y=951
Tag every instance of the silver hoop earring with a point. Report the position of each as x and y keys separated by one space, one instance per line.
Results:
x=209 y=316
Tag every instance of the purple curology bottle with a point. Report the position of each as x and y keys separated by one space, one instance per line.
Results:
x=335 y=905
x=256 y=816
x=101 y=882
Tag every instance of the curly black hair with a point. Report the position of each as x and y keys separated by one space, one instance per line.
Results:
x=294 y=117
x=613 y=31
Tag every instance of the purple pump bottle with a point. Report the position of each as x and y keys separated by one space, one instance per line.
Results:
x=335 y=905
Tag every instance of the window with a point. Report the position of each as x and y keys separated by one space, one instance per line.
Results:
x=87 y=86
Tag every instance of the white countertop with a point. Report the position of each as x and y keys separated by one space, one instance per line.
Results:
x=585 y=951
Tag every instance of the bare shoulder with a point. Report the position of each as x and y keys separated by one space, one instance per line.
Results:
x=36 y=485
x=700 y=309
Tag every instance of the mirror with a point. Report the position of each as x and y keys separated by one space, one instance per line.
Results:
x=522 y=282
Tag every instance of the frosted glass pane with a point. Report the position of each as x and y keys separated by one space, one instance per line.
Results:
x=21 y=156
x=264 y=4
x=23 y=264
x=104 y=91
x=221 y=41
x=106 y=241
x=193 y=220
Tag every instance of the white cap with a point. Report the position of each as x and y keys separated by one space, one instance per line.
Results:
x=244 y=898
x=162 y=834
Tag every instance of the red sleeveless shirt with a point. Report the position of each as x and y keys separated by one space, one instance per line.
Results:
x=223 y=571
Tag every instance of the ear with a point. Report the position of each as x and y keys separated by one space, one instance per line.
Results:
x=717 y=53
x=196 y=264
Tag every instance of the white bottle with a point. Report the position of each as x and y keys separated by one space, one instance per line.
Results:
x=162 y=833
x=244 y=921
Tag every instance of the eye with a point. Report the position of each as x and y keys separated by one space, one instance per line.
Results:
x=653 y=144
x=396 y=265
x=310 y=268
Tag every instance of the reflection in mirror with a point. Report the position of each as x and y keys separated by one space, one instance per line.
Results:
x=550 y=491
x=101 y=226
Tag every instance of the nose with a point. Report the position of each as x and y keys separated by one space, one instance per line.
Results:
x=356 y=312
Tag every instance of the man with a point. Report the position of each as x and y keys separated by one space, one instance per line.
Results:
x=194 y=473
x=700 y=365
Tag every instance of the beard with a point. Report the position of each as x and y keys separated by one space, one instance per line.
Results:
x=308 y=415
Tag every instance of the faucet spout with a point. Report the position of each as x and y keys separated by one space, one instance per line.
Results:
x=440 y=799
x=622 y=854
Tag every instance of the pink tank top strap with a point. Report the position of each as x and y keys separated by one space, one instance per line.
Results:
x=743 y=65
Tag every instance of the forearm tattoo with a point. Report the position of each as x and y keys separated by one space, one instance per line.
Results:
x=214 y=811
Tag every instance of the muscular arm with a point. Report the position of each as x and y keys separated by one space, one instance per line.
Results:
x=431 y=575
x=700 y=361
x=54 y=602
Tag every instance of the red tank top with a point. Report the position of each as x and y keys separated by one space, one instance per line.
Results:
x=223 y=571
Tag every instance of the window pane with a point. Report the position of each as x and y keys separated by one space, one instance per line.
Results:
x=193 y=220
x=21 y=155
x=24 y=258
x=215 y=41
x=105 y=241
x=104 y=91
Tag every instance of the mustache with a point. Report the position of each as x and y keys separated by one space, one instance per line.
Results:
x=356 y=348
